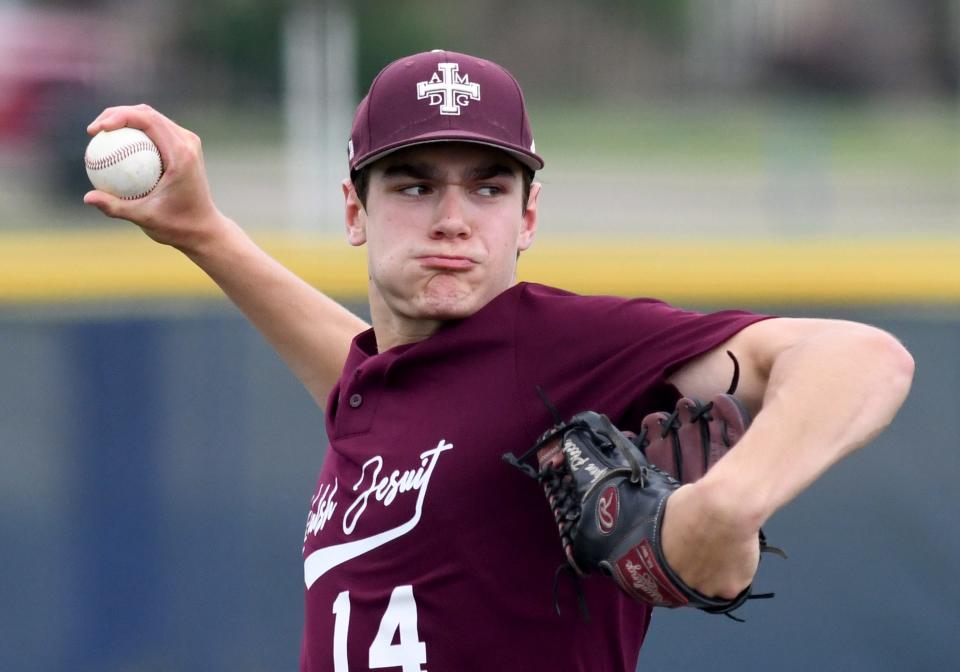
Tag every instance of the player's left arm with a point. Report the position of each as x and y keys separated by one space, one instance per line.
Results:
x=819 y=390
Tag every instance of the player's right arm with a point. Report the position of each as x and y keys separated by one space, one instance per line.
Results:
x=309 y=330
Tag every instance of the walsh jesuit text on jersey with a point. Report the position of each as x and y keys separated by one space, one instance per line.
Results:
x=384 y=490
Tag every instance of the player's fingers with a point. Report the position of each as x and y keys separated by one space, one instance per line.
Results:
x=118 y=117
x=108 y=204
x=110 y=119
x=177 y=145
x=140 y=116
x=180 y=150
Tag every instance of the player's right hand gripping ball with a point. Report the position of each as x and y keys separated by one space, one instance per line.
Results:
x=608 y=498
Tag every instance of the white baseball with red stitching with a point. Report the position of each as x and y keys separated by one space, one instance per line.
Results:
x=124 y=162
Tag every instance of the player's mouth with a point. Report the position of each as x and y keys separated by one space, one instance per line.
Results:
x=446 y=263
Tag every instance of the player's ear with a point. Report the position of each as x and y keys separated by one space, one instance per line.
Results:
x=354 y=214
x=529 y=226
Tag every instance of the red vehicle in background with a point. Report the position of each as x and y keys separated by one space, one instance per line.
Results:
x=58 y=68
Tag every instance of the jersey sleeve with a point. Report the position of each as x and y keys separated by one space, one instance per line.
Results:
x=609 y=354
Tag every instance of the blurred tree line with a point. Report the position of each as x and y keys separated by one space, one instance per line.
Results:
x=232 y=48
x=243 y=37
x=606 y=47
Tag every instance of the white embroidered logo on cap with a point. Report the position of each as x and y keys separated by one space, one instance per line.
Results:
x=450 y=91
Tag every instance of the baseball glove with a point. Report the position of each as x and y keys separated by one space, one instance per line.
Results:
x=687 y=442
x=608 y=497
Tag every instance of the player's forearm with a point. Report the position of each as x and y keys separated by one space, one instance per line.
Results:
x=310 y=331
x=827 y=396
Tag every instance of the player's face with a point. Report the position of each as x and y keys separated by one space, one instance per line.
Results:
x=443 y=225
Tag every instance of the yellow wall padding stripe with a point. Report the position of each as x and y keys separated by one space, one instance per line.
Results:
x=782 y=270
x=121 y=263
x=117 y=264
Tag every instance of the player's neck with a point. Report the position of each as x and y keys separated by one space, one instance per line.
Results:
x=392 y=329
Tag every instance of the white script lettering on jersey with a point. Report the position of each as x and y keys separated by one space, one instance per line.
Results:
x=384 y=490
x=322 y=507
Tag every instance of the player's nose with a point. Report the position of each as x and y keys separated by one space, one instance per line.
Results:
x=451 y=220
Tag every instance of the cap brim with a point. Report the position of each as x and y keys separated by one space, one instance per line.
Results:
x=529 y=159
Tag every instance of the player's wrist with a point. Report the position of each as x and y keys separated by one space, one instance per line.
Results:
x=211 y=235
x=731 y=500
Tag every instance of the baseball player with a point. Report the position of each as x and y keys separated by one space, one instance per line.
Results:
x=423 y=549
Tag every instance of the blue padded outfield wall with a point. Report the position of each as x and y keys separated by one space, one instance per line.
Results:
x=157 y=465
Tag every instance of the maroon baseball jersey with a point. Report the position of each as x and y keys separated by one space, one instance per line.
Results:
x=423 y=550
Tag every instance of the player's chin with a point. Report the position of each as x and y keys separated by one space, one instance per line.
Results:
x=447 y=308
x=450 y=297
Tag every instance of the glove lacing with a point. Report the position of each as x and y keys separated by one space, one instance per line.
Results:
x=566 y=512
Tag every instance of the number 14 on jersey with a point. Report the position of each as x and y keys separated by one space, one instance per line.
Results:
x=400 y=617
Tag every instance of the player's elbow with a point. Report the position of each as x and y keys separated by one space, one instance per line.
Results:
x=891 y=357
x=903 y=363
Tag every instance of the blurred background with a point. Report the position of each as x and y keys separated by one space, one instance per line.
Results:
x=800 y=157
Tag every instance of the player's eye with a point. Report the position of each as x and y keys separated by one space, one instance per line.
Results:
x=489 y=190
x=414 y=189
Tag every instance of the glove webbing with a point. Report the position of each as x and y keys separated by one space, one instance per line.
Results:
x=671 y=425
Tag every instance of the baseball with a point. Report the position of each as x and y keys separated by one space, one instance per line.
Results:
x=124 y=162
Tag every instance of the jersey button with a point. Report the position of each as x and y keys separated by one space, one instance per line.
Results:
x=355 y=400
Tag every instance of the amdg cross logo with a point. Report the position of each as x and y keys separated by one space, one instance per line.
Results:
x=448 y=89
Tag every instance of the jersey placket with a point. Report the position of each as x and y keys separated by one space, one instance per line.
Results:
x=359 y=397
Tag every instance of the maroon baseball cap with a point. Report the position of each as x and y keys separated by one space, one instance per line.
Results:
x=441 y=96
